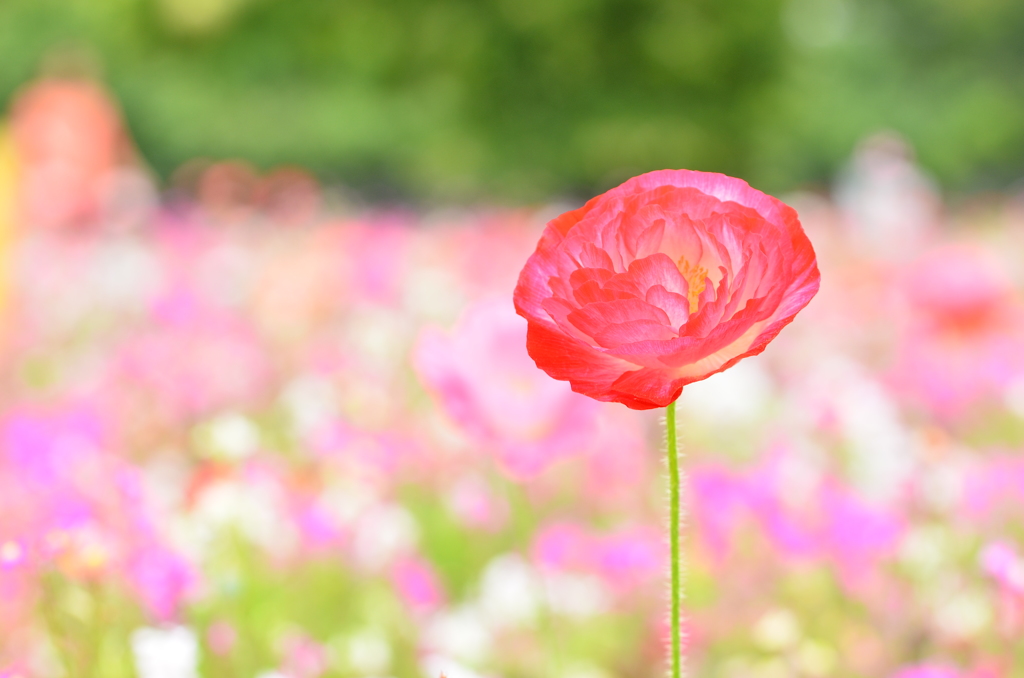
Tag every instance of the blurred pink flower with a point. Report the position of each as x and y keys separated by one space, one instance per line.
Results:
x=52 y=470
x=378 y=250
x=416 y=582
x=720 y=504
x=1000 y=561
x=994 y=488
x=15 y=671
x=193 y=360
x=18 y=592
x=485 y=381
x=161 y=579
x=823 y=520
x=928 y=671
x=490 y=251
x=630 y=558
x=74 y=504
x=303 y=656
x=626 y=559
x=562 y=546
x=617 y=461
x=477 y=505
x=221 y=637
x=965 y=328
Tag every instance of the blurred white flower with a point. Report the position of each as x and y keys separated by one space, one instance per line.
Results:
x=461 y=633
x=942 y=486
x=576 y=595
x=233 y=436
x=383 y=533
x=777 y=630
x=433 y=293
x=346 y=499
x=253 y=508
x=380 y=337
x=369 y=653
x=889 y=203
x=437 y=665
x=963 y=615
x=739 y=395
x=510 y=591
x=1014 y=396
x=126 y=274
x=585 y=671
x=816 y=659
x=310 y=402
x=925 y=549
x=165 y=652
x=225 y=273
x=882 y=454
x=771 y=668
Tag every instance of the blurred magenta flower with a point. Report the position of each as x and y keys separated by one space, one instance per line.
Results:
x=416 y=582
x=625 y=559
x=1000 y=561
x=665 y=280
x=928 y=671
x=161 y=578
x=79 y=507
x=817 y=518
x=483 y=378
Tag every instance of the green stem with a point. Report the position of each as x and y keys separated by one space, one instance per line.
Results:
x=675 y=518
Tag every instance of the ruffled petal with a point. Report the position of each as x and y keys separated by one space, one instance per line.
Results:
x=614 y=335
x=588 y=370
x=649 y=388
x=675 y=305
x=594 y=318
x=643 y=274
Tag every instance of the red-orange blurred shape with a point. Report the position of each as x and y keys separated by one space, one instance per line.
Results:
x=961 y=289
x=233 y=190
x=69 y=136
x=289 y=195
x=226 y=189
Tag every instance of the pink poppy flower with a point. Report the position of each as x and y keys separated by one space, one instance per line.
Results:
x=665 y=280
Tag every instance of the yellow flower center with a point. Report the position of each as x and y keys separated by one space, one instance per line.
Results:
x=696 y=280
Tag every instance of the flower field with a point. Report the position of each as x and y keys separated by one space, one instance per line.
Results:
x=252 y=430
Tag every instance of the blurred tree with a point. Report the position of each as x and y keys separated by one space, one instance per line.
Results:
x=524 y=99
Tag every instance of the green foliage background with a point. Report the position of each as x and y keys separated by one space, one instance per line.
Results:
x=525 y=99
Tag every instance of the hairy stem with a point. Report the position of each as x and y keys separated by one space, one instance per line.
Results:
x=675 y=518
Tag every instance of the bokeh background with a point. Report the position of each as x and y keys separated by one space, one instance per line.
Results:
x=525 y=99
x=265 y=406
